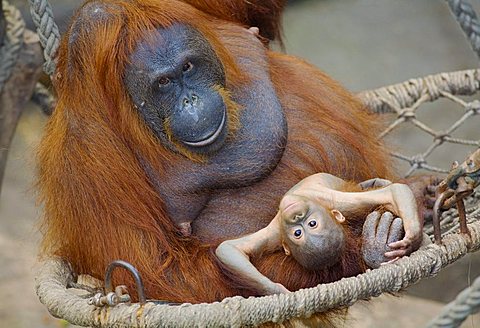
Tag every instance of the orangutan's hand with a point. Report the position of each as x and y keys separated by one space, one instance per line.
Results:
x=380 y=230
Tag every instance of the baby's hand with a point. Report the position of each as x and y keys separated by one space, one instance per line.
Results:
x=404 y=247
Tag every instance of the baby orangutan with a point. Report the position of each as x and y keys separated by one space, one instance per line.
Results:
x=308 y=225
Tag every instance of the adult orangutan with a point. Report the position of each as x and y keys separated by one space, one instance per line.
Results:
x=174 y=131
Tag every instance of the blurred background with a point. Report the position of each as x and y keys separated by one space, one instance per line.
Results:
x=364 y=44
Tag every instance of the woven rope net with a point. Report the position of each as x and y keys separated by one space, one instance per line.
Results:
x=403 y=100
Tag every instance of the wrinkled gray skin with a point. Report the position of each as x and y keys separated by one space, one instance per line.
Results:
x=179 y=85
x=379 y=230
x=249 y=157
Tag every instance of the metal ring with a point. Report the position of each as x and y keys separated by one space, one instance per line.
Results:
x=136 y=276
x=437 y=233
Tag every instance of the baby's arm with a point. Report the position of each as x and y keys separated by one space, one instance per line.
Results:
x=235 y=255
x=333 y=192
x=397 y=197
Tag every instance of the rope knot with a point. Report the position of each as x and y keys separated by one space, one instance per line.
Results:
x=473 y=106
x=441 y=136
x=418 y=161
x=407 y=114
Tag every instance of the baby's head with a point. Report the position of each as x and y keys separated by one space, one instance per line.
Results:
x=311 y=233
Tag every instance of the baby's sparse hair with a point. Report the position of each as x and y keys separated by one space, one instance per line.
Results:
x=319 y=250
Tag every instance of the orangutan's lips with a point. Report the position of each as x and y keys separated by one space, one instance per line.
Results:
x=211 y=139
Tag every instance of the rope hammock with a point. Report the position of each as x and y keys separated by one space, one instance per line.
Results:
x=55 y=277
x=55 y=274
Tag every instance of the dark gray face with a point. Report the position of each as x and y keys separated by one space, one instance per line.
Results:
x=173 y=79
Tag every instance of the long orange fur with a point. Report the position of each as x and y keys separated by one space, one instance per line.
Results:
x=264 y=14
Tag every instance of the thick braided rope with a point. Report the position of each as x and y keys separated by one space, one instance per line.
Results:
x=10 y=50
x=47 y=29
x=430 y=88
x=454 y=313
x=467 y=18
x=55 y=274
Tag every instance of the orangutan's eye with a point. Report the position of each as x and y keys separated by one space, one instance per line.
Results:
x=312 y=224
x=297 y=233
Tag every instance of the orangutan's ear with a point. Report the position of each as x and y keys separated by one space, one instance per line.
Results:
x=338 y=216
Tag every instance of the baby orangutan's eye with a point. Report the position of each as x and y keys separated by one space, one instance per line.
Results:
x=297 y=233
x=312 y=224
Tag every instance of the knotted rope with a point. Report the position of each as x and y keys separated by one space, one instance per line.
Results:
x=47 y=30
x=467 y=18
x=405 y=100
x=56 y=274
x=13 y=42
